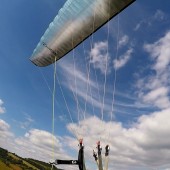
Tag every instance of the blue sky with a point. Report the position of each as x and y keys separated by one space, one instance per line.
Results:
x=139 y=131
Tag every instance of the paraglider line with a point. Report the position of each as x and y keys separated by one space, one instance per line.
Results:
x=75 y=82
x=115 y=74
x=53 y=107
x=75 y=133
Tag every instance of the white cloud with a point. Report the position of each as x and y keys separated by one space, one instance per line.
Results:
x=137 y=146
x=99 y=56
x=27 y=123
x=92 y=90
x=156 y=93
x=4 y=130
x=6 y=136
x=138 y=25
x=123 y=41
x=122 y=61
x=157 y=16
x=154 y=89
x=2 y=109
x=81 y=77
x=160 y=52
x=90 y=96
x=37 y=144
x=44 y=138
x=93 y=99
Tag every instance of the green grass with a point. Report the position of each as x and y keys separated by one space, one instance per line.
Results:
x=15 y=167
x=3 y=166
x=40 y=164
x=11 y=161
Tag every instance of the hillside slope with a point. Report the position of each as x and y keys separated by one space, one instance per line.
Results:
x=11 y=161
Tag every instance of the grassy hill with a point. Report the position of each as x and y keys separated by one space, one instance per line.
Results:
x=10 y=161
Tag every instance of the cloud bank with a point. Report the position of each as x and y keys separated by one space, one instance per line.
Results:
x=145 y=144
x=154 y=89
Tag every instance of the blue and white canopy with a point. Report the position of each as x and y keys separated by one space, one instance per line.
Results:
x=76 y=21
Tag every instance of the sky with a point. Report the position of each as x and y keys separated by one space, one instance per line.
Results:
x=114 y=87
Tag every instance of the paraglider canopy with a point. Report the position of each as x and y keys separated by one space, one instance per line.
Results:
x=76 y=21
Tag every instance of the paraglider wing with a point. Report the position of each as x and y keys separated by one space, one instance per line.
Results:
x=75 y=22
